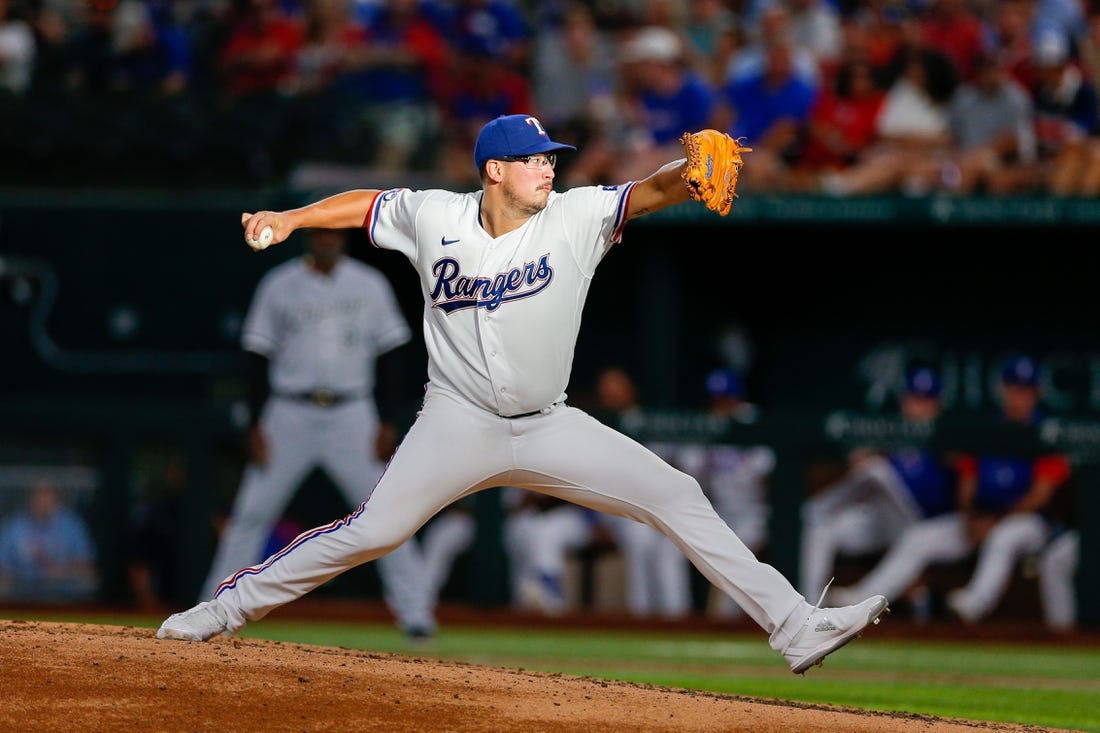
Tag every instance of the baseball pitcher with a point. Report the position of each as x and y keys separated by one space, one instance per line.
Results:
x=504 y=272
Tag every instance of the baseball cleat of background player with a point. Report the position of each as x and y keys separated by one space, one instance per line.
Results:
x=196 y=624
x=828 y=629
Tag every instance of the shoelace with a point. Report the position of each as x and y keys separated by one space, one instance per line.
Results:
x=821 y=598
x=816 y=608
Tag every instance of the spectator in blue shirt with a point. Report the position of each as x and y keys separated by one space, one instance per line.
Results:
x=662 y=97
x=46 y=551
x=769 y=107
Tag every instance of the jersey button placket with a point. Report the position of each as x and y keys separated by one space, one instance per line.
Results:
x=488 y=340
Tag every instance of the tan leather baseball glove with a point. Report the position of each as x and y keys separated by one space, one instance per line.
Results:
x=713 y=165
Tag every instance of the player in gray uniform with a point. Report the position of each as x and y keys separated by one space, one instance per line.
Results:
x=317 y=328
x=504 y=273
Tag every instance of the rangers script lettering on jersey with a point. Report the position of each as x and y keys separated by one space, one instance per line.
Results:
x=455 y=291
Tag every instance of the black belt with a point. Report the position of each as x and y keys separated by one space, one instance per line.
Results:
x=321 y=397
x=532 y=412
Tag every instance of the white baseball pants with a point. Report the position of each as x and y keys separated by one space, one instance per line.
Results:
x=442 y=542
x=1057 y=589
x=658 y=577
x=339 y=439
x=944 y=539
x=863 y=512
x=454 y=449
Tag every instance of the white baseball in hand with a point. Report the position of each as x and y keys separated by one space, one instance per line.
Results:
x=266 y=235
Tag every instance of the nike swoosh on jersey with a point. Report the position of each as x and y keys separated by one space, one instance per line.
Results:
x=444 y=241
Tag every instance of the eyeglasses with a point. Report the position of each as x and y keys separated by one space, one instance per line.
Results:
x=533 y=162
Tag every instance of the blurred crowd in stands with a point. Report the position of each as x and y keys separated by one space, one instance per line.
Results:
x=838 y=97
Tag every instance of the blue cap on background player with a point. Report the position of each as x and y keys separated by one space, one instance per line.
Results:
x=1020 y=371
x=725 y=383
x=512 y=136
x=923 y=381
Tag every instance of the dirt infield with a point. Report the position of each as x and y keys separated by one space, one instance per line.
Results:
x=86 y=678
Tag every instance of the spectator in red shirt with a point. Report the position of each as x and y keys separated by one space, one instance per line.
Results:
x=912 y=131
x=385 y=87
x=332 y=38
x=842 y=122
x=483 y=87
x=260 y=53
x=951 y=27
x=1012 y=41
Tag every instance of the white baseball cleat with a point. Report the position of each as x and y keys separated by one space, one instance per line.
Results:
x=828 y=629
x=197 y=624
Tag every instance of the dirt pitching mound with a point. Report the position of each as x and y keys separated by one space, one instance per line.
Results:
x=86 y=678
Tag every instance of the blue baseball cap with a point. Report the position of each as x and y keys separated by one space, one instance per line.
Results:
x=923 y=382
x=1020 y=371
x=513 y=135
x=725 y=383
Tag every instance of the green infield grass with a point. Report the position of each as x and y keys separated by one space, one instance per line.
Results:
x=1041 y=685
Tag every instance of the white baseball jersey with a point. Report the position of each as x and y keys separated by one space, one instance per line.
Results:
x=323 y=331
x=497 y=333
x=501 y=319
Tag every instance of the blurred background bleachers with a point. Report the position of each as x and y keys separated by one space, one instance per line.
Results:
x=838 y=97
